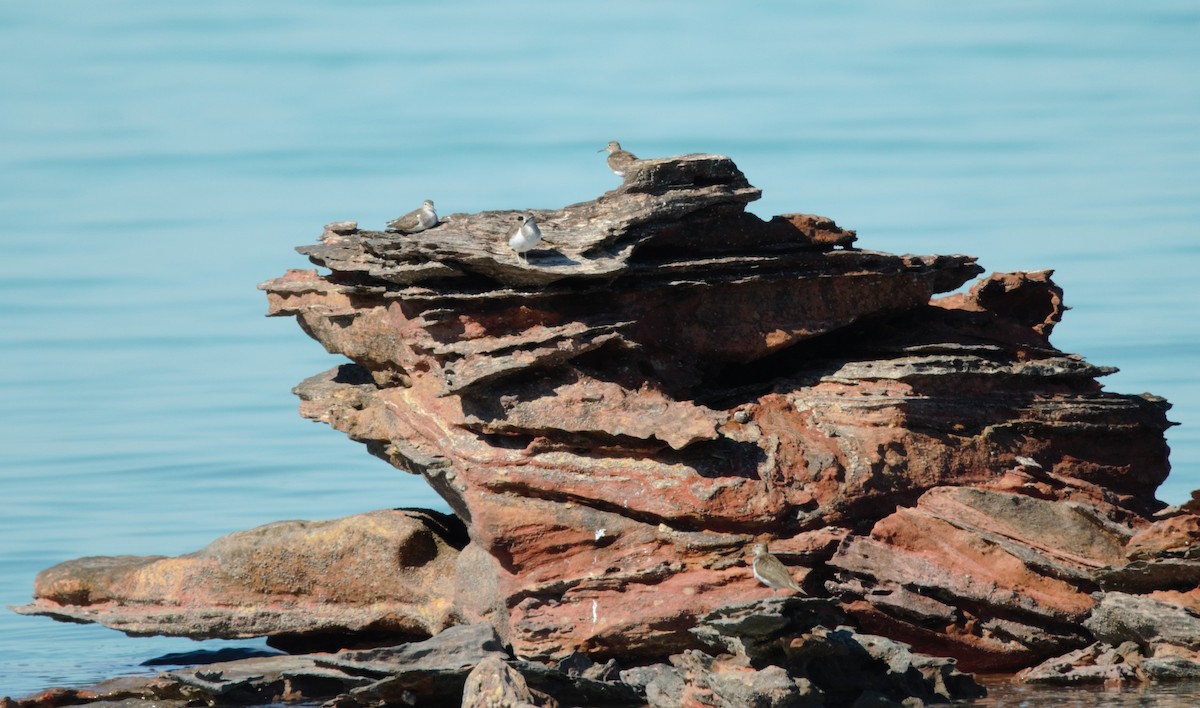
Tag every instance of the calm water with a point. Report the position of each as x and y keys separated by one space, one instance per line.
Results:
x=158 y=160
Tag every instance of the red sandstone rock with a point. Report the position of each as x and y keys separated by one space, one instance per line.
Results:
x=1028 y=299
x=996 y=580
x=592 y=441
x=819 y=230
x=1173 y=533
x=382 y=572
x=670 y=379
x=615 y=450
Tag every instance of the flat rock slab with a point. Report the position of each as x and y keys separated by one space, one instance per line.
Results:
x=454 y=650
x=378 y=572
x=1120 y=617
x=265 y=679
x=590 y=240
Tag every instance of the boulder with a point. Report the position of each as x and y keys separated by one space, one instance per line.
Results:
x=495 y=684
x=300 y=583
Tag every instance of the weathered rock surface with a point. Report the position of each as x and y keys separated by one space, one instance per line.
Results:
x=756 y=631
x=297 y=582
x=705 y=681
x=668 y=379
x=1139 y=638
x=776 y=652
x=435 y=669
x=495 y=684
x=467 y=665
x=678 y=377
x=972 y=570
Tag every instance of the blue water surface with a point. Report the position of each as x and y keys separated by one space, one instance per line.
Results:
x=158 y=160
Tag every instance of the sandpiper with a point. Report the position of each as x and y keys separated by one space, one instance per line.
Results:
x=416 y=220
x=525 y=236
x=770 y=571
x=619 y=160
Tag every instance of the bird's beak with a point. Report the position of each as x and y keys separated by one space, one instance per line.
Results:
x=602 y=149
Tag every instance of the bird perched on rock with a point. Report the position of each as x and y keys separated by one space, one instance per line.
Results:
x=770 y=571
x=1027 y=462
x=619 y=160
x=416 y=220
x=525 y=236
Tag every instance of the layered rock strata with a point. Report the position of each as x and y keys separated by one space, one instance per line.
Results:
x=669 y=378
x=467 y=665
x=302 y=583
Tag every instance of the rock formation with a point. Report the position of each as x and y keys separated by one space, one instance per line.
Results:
x=665 y=380
x=296 y=581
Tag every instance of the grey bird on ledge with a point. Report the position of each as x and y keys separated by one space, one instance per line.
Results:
x=416 y=220
x=619 y=160
x=771 y=572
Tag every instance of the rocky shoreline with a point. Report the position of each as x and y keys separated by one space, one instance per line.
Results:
x=618 y=417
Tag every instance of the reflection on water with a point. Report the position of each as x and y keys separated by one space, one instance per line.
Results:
x=1004 y=693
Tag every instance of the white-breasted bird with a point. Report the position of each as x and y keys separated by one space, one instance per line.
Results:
x=1027 y=462
x=525 y=236
x=416 y=220
x=771 y=572
x=618 y=160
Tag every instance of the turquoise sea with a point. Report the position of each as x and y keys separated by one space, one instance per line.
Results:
x=158 y=160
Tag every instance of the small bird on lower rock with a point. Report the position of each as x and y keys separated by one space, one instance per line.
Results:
x=1027 y=462
x=618 y=160
x=771 y=572
x=416 y=220
x=525 y=237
